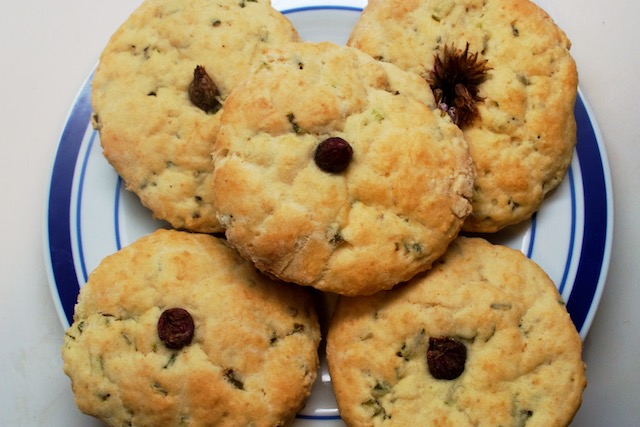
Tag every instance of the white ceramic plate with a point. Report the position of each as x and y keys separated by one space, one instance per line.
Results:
x=89 y=215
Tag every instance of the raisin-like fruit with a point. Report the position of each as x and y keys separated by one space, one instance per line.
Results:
x=455 y=81
x=175 y=328
x=446 y=358
x=333 y=155
x=202 y=90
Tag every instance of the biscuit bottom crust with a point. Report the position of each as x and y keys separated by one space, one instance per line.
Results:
x=523 y=362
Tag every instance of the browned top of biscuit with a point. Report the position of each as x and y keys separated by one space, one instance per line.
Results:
x=388 y=215
x=523 y=354
x=252 y=359
x=152 y=134
x=522 y=141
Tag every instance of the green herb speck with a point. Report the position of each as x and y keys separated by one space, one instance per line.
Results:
x=171 y=361
x=292 y=119
x=158 y=388
x=231 y=377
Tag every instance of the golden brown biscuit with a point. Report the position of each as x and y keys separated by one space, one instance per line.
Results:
x=481 y=339
x=248 y=358
x=152 y=133
x=350 y=222
x=521 y=128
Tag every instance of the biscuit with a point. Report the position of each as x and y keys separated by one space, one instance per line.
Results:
x=252 y=356
x=155 y=138
x=524 y=131
x=401 y=199
x=523 y=354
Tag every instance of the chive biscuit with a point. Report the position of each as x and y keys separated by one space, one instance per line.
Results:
x=156 y=127
x=481 y=339
x=502 y=70
x=178 y=329
x=332 y=170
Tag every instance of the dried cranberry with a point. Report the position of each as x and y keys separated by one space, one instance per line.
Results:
x=446 y=358
x=175 y=328
x=333 y=155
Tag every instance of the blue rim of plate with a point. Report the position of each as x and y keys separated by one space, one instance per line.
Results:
x=594 y=250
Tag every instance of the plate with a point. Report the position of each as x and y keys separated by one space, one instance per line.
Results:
x=90 y=215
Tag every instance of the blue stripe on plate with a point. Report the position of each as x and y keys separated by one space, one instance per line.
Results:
x=116 y=214
x=83 y=171
x=58 y=220
x=590 y=267
x=318 y=417
x=572 y=240
x=532 y=233
x=312 y=8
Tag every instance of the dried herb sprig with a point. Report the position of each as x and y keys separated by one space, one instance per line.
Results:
x=454 y=81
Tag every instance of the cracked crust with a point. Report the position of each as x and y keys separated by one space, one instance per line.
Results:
x=523 y=141
x=150 y=132
x=523 y=364
x=389 y=215
x=253 y=358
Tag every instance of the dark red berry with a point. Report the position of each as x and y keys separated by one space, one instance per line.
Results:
x=333 y=155
x=175 y=328
x=446 y=358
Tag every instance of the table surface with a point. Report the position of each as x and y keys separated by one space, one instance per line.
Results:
x=48 y=48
